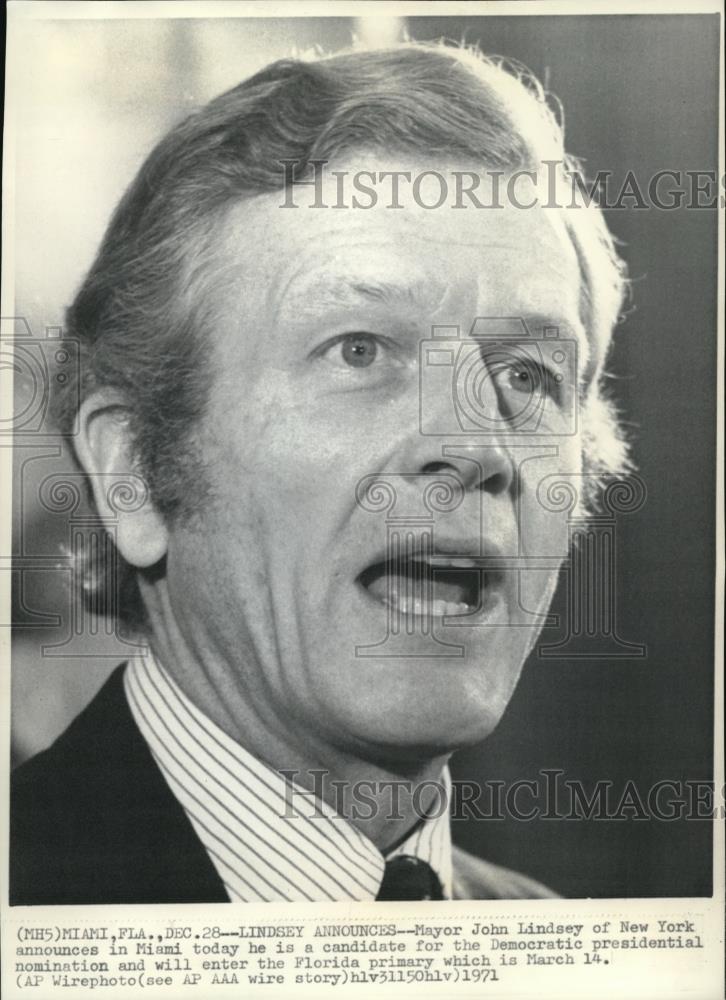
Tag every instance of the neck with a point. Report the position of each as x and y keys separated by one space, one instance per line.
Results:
x=382 y=794
x=383 y=801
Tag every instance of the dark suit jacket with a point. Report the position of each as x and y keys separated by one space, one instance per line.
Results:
x=92 y=820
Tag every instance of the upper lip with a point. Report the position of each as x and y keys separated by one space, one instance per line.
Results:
x=481 y=557
x=465 y=552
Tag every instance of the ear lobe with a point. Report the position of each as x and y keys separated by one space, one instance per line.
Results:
x=105 y=451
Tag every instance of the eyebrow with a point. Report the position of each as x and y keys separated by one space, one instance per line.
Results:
x=340 y=291
x=555 y=324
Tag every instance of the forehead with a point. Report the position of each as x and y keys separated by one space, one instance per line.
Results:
x=443 y=263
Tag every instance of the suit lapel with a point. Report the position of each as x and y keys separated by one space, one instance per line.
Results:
x=95 y=821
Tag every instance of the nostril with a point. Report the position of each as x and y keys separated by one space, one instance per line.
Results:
x=431 y=468
x=497 y=482
x=490 y=472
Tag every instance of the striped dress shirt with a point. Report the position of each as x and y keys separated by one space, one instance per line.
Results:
x=265 y=843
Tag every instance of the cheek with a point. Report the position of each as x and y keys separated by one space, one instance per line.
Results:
x=202 y=580
x=305 y=463
x=548 y=503
x=550 y=490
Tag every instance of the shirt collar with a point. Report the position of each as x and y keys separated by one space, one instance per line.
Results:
x=268 y=840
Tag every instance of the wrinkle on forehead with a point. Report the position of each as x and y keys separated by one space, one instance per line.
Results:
x=320 y=289
x=416 y=274
x=309 y=261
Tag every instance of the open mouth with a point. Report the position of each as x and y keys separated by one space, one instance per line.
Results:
x=430 y=585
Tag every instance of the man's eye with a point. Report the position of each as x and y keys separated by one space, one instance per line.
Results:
x=526 y=377
x=359 y=351
x=354 y=350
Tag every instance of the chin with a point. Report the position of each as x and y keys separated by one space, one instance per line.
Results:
x=421 y=728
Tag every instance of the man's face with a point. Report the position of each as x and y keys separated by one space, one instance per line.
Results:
x=373 y=626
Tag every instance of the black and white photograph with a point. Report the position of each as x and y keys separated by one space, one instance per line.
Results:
x=363 y=491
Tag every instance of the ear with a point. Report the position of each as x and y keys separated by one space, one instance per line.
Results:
x=104 y=448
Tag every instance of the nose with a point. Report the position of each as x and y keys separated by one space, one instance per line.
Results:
x=480 y=465
x=436 y=440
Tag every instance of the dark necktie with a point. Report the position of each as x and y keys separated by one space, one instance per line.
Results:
x=407 y=877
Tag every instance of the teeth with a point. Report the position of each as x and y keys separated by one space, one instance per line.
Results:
x=433 y=609
x=454 y=562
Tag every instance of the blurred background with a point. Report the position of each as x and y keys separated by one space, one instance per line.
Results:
x=640 y=94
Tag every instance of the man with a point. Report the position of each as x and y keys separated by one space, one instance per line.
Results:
x=339 y=564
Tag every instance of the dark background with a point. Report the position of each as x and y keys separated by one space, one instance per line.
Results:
x=640 y=94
